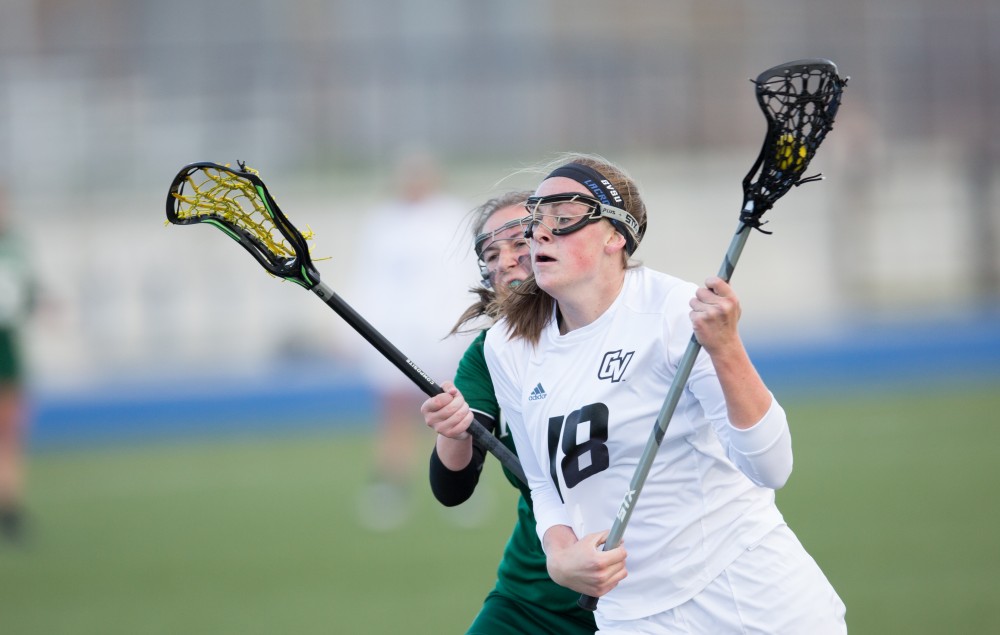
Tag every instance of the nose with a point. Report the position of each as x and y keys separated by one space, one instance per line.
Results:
x=509 y=257
x=540 y=236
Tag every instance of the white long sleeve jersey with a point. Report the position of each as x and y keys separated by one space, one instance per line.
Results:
x=581 y=407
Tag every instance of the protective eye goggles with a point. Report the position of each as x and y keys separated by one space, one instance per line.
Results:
x=564 y=214
x=487 y=249
x=486 y=239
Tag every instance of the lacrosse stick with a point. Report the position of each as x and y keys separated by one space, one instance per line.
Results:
x=800 y=101
x=238 y=203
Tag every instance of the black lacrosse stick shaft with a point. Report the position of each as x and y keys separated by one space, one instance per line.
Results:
x=480 y=434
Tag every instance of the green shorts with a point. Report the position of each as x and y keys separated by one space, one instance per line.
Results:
x=502 y=615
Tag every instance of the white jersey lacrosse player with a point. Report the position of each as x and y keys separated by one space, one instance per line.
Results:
x=581 y=407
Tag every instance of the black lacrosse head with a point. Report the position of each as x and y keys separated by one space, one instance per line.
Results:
x=237 y=202
x=800 y=100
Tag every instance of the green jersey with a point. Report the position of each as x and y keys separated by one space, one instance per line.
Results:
x=16 y=299
x=522 y=575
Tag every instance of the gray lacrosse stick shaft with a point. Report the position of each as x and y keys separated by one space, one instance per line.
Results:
x=666 y=412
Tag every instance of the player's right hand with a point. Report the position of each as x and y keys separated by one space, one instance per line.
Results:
x=447 y=413
x=584 y=567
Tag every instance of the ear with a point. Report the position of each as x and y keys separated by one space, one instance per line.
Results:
x=615 y=242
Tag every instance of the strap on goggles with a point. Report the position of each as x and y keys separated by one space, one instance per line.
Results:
x=624 y=222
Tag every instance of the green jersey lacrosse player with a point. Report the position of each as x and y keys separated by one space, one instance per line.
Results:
x=17 y=299
x=525 y=599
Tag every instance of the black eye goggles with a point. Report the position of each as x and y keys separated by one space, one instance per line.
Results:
x=560 y=224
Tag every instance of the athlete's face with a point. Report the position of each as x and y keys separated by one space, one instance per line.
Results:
x=569 y=259
x=506 y=255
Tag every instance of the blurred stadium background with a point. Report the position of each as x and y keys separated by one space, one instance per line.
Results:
x=883 y=279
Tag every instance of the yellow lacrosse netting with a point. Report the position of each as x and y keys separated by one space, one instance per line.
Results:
x=213 y=194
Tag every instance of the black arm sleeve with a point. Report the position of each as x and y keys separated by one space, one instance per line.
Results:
x=455 y=487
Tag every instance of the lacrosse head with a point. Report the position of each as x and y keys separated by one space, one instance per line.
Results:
x=238 y=203
x=800 y=101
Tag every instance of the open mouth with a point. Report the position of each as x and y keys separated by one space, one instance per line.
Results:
x=544 y=258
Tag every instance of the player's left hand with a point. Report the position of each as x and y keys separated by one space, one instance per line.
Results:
x=715 y=315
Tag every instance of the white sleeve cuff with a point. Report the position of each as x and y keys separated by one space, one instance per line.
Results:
x=764 y=451
x=763 y=435
x=548 y=516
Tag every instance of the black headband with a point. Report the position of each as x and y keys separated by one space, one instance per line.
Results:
x=593 y=180
x=605 y=192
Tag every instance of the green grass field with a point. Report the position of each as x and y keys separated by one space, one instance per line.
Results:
x=893 y=494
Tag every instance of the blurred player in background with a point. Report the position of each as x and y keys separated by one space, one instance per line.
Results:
x=17 y=298
x=525 y=599
x=415 y=271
